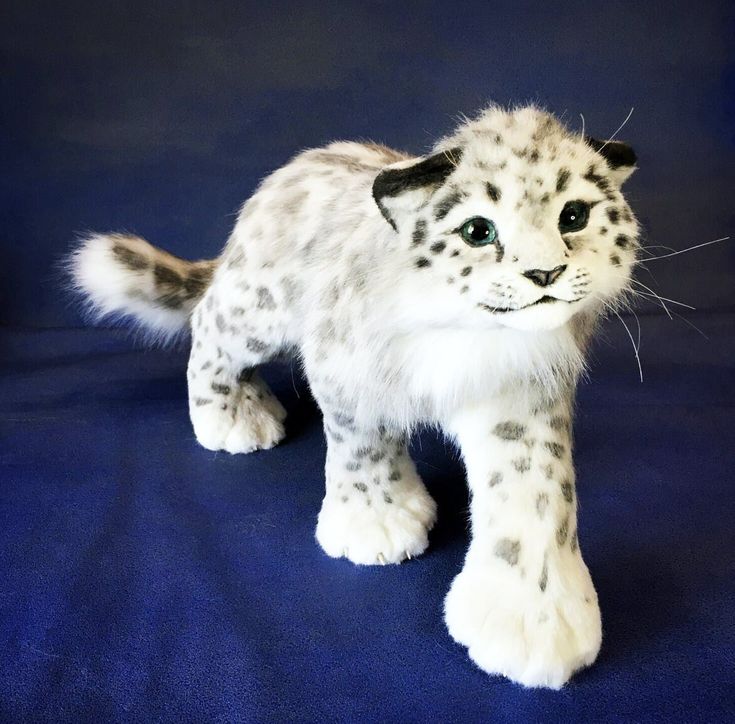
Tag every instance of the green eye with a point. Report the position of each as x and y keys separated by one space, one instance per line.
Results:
x=478 y=231
x=574 y=216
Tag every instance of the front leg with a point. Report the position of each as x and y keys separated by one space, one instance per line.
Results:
x=524 y=603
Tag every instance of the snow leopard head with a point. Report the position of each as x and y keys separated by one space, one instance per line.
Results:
x=513 y=220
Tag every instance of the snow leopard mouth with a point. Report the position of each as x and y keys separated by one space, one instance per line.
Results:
x=546 y=299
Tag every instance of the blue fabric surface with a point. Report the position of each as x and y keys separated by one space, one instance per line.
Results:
x=144 y=578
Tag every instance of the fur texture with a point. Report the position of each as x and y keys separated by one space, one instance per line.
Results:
x=367 y=264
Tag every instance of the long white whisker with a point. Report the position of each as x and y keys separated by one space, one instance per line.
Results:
x=652 y=293
x=630 y=336
x=682 y=251
x=582 y=117
x=693 y=326
x=656 y=246
x=632 y=341
x=620 y=128
x=665 y=299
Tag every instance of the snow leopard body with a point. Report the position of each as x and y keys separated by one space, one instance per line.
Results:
x=357 y=259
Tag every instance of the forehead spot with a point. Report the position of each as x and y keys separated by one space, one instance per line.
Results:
x=562 y=180
x=493 y=192
x=448 y=203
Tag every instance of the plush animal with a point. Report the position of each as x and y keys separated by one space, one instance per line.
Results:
x=458 y=290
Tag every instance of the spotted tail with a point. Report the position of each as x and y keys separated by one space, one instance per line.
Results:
x=124 y=275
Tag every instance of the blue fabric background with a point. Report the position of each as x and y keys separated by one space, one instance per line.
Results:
x=143 y=578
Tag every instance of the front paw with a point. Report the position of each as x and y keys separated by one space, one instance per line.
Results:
x=370 y=523
x=513 y=628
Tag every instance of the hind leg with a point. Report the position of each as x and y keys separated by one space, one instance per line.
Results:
x=376 y=508
x=231 y=407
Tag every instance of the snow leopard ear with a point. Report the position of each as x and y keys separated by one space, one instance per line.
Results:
x=401 y=188
x=620 y=157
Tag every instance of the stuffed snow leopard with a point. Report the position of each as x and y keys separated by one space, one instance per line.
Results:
x=458 y=289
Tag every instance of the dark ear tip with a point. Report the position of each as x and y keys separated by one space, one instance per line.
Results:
x=616 y=153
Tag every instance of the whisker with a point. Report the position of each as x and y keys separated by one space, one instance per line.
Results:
x=665 y=299
x=655 y=246
x=682 y=251
x=693 y=326
x=630 y=336
x=632 y=341
x=652 y=294
x=620 y=128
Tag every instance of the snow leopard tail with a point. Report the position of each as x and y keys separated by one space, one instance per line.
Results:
x=123 y=275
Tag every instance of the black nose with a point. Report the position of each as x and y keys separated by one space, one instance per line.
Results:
x=543 y=277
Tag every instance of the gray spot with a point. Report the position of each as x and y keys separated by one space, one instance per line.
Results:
x=495 y=479
x=559 y=422
x=201 y=401
x=131 y=259
x=562 y=532
x=256 y=345
x=615 y=260
x=290 y=290
x=544 y=578
x=492 y=191
x=555 y=449
x=574 y=543
x=376 y=457
x=352 y=466
x=220 y=389
x=334 y=435
x=387 y=498
x=509 y=430
x=522 y=465
x=438 y=247
x=293 y=203
x=166 y=276
x=548 y=471
x=237 y=259
x=265 y=299
x=394 y=476
x=567 y=490
x=509 y=550
x=422 y=262
x=419 y=233
x=361 y=487
x=623 y=241
x=562 y=180
x=542 y=503
x=237 y=311
x=219 y=320
x=613 y=214
x=343 y=420
x=448 y=203
x=466 y=271
x=206 y=365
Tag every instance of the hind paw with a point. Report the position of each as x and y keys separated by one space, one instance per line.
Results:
x=247 y=426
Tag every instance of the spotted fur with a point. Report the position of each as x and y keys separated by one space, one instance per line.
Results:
x=352 y=255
